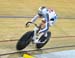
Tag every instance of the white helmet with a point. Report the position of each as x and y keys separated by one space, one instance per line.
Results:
x=42 y=10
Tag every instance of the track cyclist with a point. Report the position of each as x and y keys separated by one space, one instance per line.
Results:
x=49 y=18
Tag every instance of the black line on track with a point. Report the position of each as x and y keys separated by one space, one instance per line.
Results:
x=16 y=16
x=51 y=37
x=37 y=50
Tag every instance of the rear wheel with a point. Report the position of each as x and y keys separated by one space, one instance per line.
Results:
x=42 y=39
x=24 y=40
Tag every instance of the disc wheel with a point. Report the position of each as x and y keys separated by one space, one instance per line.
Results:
x=24 y=40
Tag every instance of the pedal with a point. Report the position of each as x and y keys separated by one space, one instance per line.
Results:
x=37 y=41
x=40 y=42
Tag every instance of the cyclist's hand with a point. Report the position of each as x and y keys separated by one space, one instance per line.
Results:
x=28 y=23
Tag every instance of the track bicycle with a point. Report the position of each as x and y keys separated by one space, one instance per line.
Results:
x=33 y=36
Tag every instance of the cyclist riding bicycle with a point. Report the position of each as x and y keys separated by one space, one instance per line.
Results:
x=49 y=17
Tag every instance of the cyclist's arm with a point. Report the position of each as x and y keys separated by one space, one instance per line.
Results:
x=34 y=18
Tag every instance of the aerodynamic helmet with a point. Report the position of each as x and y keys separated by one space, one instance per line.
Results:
x=42 y=10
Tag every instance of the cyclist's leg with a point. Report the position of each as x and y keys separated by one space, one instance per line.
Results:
x=42 y=31
x=44 y=27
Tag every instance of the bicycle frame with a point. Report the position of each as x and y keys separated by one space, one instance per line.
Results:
x=36 y=36
x=39 y=39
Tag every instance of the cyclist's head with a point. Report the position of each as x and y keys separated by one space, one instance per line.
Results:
x=40 y=10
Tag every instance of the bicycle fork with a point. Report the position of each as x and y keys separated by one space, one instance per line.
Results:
x=35 y=36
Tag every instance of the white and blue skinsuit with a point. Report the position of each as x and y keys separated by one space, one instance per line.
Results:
x=48 y=15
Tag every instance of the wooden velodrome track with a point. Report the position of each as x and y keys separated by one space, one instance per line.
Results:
x=11 y=29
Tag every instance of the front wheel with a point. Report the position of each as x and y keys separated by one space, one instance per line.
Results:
x=42 y=39
x=24 y=40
